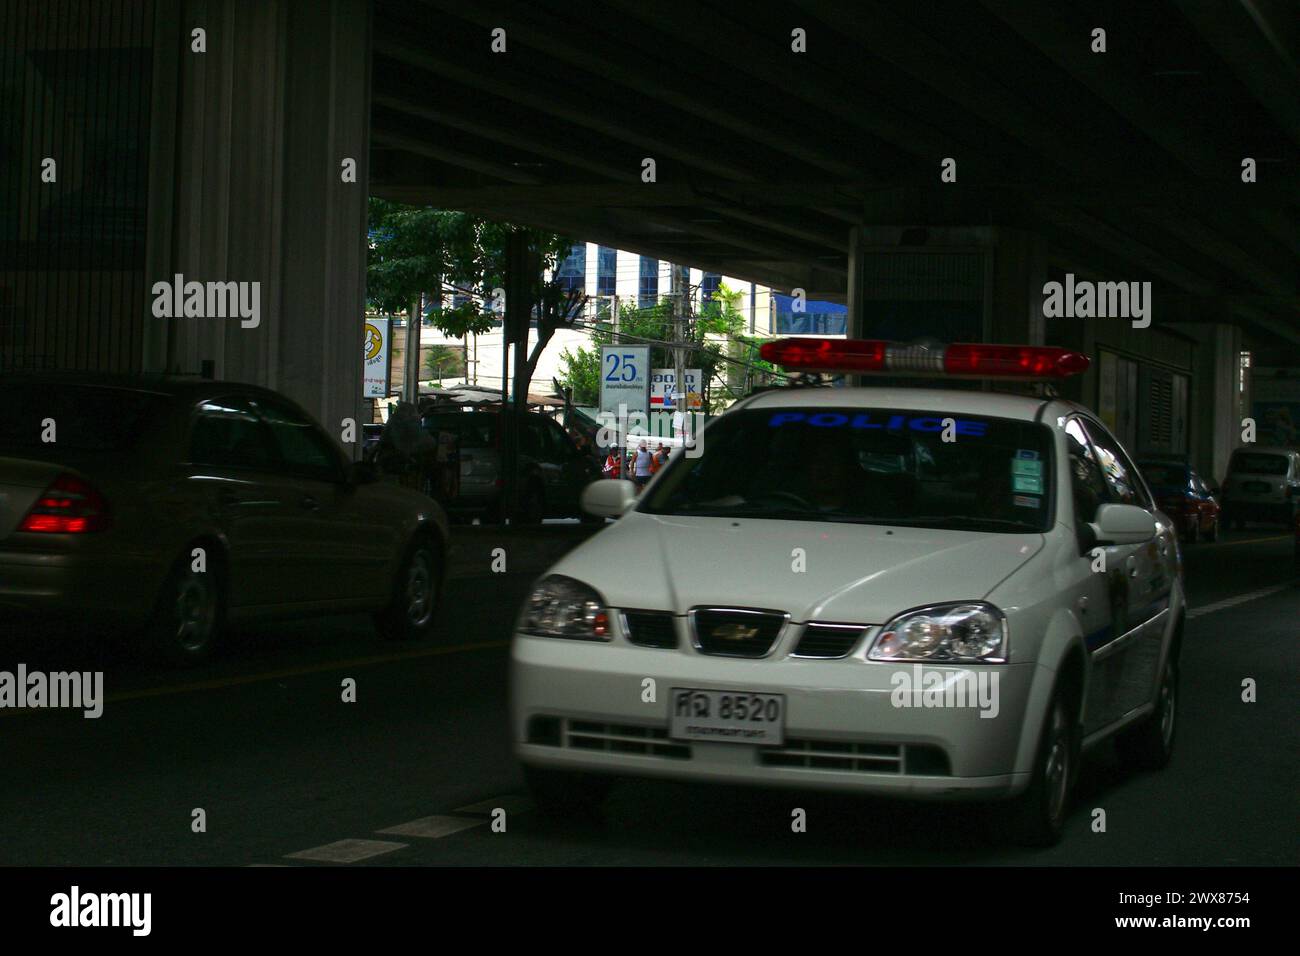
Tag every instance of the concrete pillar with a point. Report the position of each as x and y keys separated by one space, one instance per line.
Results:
x=1018 y=272
x=247 y=186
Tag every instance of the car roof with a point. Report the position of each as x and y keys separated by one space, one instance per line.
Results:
x=961 y=401
x=179 y=386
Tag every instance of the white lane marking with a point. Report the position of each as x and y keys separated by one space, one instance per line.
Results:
x=431 y=828
x=510 y=803
x=1234 y=601
x=346 y=851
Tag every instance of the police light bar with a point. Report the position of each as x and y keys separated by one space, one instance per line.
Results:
x=959 y=360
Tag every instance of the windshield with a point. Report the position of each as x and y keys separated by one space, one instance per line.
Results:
x=866 y=466
x=1256 y=464
x=86 y=417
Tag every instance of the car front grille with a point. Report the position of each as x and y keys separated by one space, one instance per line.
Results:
x=736 y=632
x=828 y=640
x=650 y=628
x=623 y=739
x=847 y=755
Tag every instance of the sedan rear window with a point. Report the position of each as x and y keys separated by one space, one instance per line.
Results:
x=867 y=466
x=1257 y=464
x=85 y=417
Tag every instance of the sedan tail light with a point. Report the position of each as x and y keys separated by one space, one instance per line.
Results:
x=70 y=505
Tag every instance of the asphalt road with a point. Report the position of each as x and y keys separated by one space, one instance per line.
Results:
x=262 y=742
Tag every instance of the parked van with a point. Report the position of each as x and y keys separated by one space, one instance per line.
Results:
x=1263 y=484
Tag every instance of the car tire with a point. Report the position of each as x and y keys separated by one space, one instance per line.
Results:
x=188 y=617
x=1213 y=534
x=1036 y=818
x=1194 y=532
x=417 y=588
x=567 y=793
x=1149 y=744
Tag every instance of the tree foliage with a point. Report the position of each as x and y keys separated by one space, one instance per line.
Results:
x=417 y=249
x=712 y=335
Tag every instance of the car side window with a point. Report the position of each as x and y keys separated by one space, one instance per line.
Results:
x=226 y=433
x=302 y=447
x=1089 y=487
x=1121 y=477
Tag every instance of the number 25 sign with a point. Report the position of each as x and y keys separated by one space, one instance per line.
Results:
x=624 y=378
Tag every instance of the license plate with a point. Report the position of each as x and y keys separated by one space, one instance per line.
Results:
x=730 y=716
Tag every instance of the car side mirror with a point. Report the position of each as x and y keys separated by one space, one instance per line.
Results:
x=608 y=498
x=362 y=473
x=1123 y=524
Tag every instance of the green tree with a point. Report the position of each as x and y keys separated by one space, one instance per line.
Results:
x=721 y=316
x=444 y=360
x=414 y=250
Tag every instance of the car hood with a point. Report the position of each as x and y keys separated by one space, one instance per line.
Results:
x=850 y=573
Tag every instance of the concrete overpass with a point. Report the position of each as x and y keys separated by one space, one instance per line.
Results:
x=817 y=170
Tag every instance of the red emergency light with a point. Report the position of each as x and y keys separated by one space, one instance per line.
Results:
x=960 y=360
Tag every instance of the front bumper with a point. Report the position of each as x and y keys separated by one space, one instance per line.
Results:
x=578 y=705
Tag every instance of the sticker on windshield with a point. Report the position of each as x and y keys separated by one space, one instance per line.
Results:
x=1024 y=501
x=872 y=420
x=1024 y=466
x=1032 y=483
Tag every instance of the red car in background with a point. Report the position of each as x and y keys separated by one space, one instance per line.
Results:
x=1185 y=497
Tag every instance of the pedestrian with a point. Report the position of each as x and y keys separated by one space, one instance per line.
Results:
x=641 y=466
x=661 y=455
x=613 y=464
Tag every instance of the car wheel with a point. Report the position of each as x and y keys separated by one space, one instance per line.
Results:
x=1213 y=534
x=567 y=793
x=1194 y=531
x=188 y=618
x=1149 y=744
x=416 y=590
x=1036 y=817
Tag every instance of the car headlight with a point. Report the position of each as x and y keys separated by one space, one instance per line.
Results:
x=968 y=632
x=562 y=607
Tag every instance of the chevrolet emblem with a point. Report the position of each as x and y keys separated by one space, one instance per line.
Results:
x=734 y=632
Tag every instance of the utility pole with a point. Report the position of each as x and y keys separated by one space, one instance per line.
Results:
x=619 y=440
x=678 y=290
x=411 y=358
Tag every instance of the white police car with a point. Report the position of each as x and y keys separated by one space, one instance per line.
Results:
x=895 y=590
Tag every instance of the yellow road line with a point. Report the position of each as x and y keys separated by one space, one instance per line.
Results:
x=222 y=682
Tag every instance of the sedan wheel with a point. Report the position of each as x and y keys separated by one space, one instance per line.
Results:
x=1037 y=816
x=1149 y=745
x=187 y=622
x=416 y=589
